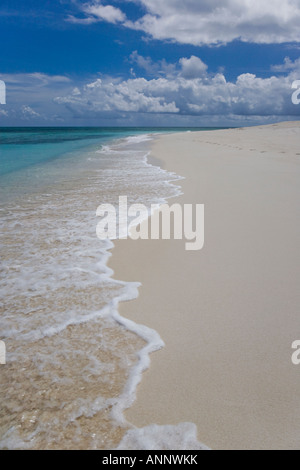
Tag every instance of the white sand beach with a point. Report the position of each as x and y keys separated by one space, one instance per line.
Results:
x=229 y=313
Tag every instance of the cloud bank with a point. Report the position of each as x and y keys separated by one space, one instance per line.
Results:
x=182 y=93
x=205 y=22
x=187 y=89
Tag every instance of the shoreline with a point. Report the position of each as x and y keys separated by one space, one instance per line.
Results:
x=227 y=314
x=61 y=304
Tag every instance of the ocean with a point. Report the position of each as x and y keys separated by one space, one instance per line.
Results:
x=73 y=363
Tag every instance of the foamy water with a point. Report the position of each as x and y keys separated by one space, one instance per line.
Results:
x=73 y=363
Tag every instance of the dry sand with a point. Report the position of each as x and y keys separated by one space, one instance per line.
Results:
x=229 y=313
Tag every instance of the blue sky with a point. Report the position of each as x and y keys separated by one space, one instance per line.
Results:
x=149 y=62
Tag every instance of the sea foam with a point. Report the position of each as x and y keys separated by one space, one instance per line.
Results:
x=69 y=350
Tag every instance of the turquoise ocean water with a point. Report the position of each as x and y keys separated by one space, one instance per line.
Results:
x=21 y=148
x=31 y=158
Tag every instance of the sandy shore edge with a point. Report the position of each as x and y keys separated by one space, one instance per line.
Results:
x=228 y=313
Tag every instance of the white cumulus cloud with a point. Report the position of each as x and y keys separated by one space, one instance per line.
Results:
x=188 y=91
x=202 y=22
x=193 y=67
x=182 y=93
x=287 y=66
x=95 y=11
x=130 y=96
x=106 y=13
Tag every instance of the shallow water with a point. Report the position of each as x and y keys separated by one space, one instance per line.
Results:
x=72 y=362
